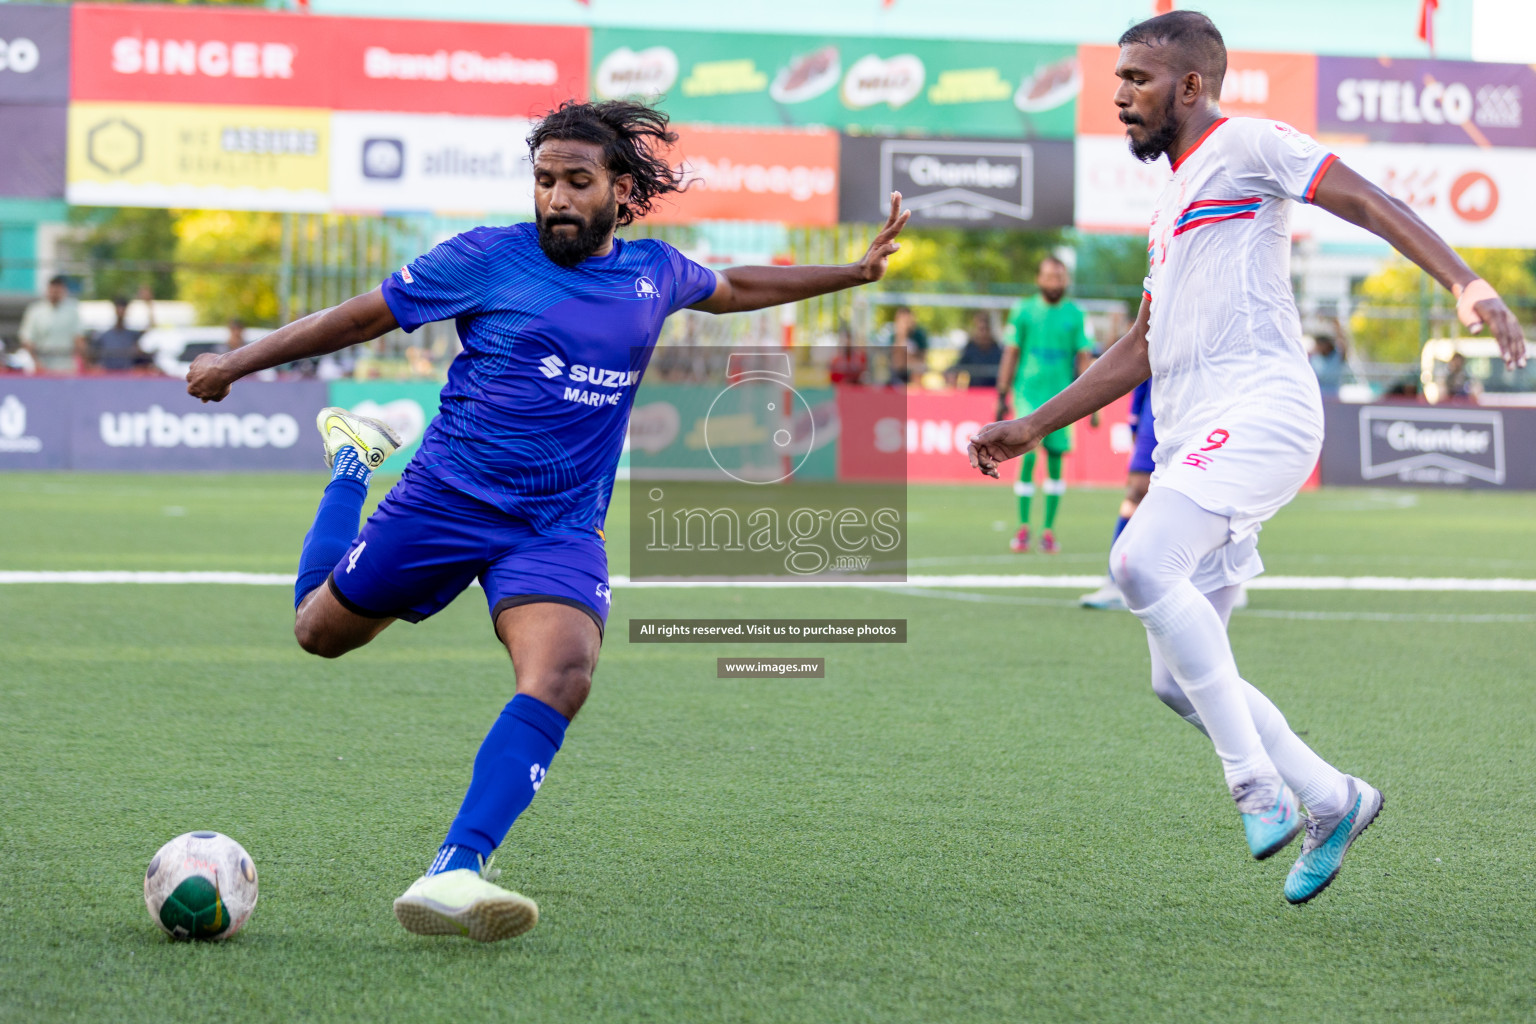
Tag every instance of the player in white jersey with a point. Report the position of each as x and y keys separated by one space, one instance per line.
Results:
x=1239 y=416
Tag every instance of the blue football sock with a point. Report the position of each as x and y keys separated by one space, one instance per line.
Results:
x=509 y=769
x=335 y=522
x=1120 y=527
x=451 y=857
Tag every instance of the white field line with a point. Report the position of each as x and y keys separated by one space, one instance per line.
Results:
x=1378 y=583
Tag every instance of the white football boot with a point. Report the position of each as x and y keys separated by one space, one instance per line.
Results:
x=341 y=428
x=465 y=902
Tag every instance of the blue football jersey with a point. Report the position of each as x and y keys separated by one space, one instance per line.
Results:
x=534 y=413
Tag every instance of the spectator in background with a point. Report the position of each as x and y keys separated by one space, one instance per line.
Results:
x=236 y=333
x=1328 y=363
x=50 y=330
x=908 y=343
x=851 y=364
x=980 y=357
x=117 y=348
x=1459 y=384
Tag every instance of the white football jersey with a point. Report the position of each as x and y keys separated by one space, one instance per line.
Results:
x=1225 y=335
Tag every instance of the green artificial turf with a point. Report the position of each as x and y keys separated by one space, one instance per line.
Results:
x=995 y=821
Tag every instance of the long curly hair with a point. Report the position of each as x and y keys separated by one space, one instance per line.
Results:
x=634 y=138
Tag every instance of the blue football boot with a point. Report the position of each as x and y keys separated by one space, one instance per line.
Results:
x=1328 y=839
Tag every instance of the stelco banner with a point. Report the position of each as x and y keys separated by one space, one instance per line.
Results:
x=168 y=55
x=185 y=155
x=878 y=85
x=959 y=182
x=1435 y=446
x=1277 y=86
x=430 y=162
x=34 y=54
x=152 y=425
x=788 y=175
x=1434 y=101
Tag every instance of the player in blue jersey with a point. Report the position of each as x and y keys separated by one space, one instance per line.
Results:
x=511 y=485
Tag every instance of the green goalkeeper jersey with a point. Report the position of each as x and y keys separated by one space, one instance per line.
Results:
x=1048 y=339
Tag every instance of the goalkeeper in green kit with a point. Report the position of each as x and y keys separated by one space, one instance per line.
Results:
x=1045 y=347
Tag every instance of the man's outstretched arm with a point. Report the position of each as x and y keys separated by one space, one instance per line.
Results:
x=1347 y=195
x=359 y=319
x=1113 y=374
x=744 y=288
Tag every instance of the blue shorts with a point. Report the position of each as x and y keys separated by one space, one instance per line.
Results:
x=426 y=542
x=1146 y=443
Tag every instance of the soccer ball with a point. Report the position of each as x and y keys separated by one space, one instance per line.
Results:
x=201 y=885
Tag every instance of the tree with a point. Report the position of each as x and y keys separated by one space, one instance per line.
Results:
x=123 y=250
x=227 y=263
x=1398 y=302
x=991 y=261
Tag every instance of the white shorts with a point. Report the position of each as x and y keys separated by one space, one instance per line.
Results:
x=1246 y=468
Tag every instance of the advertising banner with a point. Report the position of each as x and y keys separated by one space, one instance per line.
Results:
x=1009 y=90
x=407 y=406
x=430 y=162
x=33 y=166
x=34 y=54
x=788 y=175
x=456 y=67
x=1114 y=191
x=261 y=58
x=938 y=427
x=34 y=423
x=1428 y=446
x=153 y=425
x=1429 y=101
x=1277 y=86
x=182 y=155
x=961 y=182
x=1472 y=196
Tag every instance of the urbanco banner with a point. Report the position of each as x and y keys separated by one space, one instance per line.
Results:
x=133 y=424
x=1276 y=86
x=34 y=53
x=268 y=58
x=34 y=169
x=438 y=163
x=34 y=423
x=1468 y=103
x=787 y=175
x=887 y=85
x=188 y=155
x=958 y=182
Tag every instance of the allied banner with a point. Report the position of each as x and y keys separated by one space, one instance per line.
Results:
x=33 y=168
x=1428 y=446
x=958 y=182
x=267 y=58
x=787 y=175
x=1468 y=103
x=1277 y=86
x=1005 y=90
x=430 y=162
x=185 y=155
x=1472 y=196
x=34 y=54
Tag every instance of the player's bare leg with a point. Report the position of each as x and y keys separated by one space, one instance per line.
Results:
x=323 y=626
x=554 y=650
